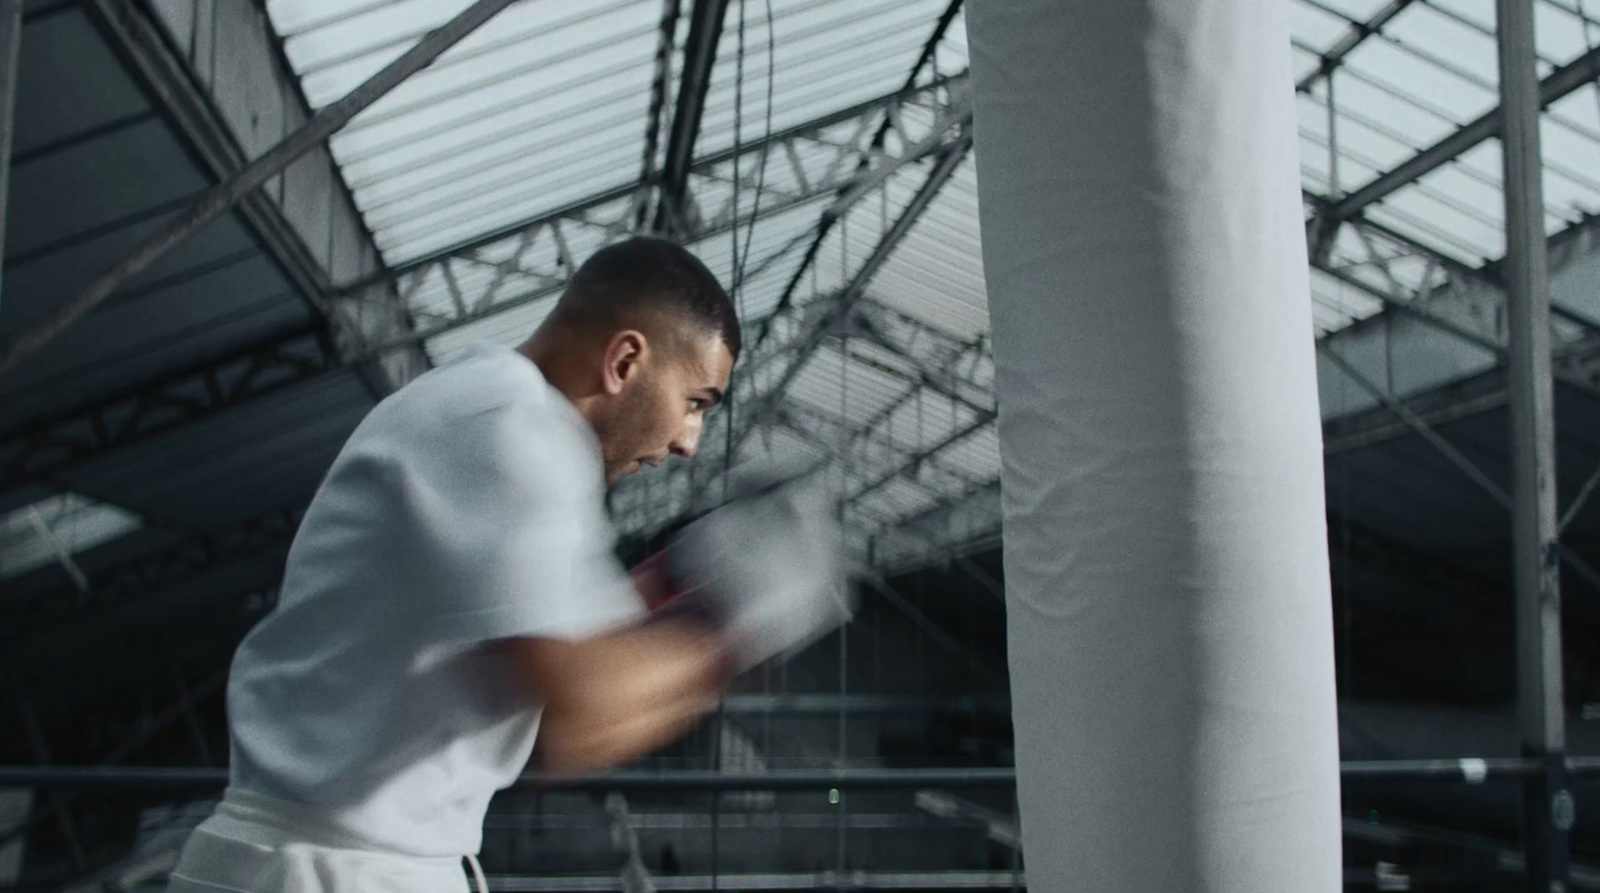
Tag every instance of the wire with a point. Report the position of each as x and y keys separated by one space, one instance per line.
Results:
x=733 y=261
x=727 y=446
x=761 y=171
x=739 y=262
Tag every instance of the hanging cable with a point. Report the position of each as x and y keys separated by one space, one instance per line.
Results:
x=1347 y=622
x=739 y=262
x=761 y=170
x=843 y=461
x=736 y=283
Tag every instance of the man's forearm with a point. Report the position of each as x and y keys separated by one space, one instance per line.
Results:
x=570 y=743
x=610 y=699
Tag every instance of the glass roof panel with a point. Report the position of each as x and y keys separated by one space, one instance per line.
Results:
x=1570 y=140
x=1448 y=41
x=1315 y=25
x=548 y=105
x=1363 y=139
x=1560 y=32
x=1303 y=61
x=937 y=272
x=1460 y=93
x=543 y=105
x=828 y=55
x=56 y=528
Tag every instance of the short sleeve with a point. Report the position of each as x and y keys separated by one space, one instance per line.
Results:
x=507 y=532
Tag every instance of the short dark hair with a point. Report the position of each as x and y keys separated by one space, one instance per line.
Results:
x=649 y=273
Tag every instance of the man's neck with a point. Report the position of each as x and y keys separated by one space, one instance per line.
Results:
x=553 y=360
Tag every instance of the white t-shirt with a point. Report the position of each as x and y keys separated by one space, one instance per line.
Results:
x=466 y=507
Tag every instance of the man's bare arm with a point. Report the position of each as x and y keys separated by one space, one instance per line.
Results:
x=615 y=697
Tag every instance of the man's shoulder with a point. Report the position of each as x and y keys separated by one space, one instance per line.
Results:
x=485 y=385
x=490 y=401
x=483 y=377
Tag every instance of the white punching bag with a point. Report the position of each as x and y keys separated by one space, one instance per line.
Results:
x=1165 y=547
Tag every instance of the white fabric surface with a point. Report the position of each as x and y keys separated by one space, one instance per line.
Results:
x=466 y=507
x=262 y=845
x=1166 y=562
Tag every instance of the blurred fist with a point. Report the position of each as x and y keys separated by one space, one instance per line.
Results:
x=766 y=568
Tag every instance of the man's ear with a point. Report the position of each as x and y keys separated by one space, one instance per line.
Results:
x=625 y=352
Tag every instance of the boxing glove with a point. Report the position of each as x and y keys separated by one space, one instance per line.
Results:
x=766 y=568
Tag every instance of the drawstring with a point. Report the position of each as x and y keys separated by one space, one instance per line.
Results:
x=477 y=874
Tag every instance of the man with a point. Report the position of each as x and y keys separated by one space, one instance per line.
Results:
x=451 y=596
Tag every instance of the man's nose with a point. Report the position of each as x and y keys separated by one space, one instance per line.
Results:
x=687 y=443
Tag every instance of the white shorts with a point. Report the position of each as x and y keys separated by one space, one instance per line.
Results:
x=256 y=844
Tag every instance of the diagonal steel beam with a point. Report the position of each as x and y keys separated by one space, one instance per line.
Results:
x=1558 y=84
x=826 y=432
x=670 y=11
x=933 y=374
x=955 y=437
x=700 y=56
x=234 y=189
x=39 y=448
x=1412 y=308
x=1460 y=460
x=934 y=631
x=1450 y=402
x=1418 y=425
x=1566 y=243
x=811 y=131
x=828 y=219
x=938 y=534
x=63 y=554
x=818 y=137
x=191 y=697
x=48 y=447
x=842 y=302
x=266 y=537
x=1359 y=31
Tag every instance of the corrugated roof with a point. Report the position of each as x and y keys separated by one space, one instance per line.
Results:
x=548 y=105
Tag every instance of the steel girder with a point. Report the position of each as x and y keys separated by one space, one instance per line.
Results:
x=835 y=309
x=793 y=331
x=1564 y=80
x=836 y=144
x=238 y=185
x=700 y=55
x=63 y=442
x=266 y=536
x=51 y=446
x=502 y=270
x=670 y=11
x=927 y=58
x=830 y=157
x=1452 y=297
x=1347 y=44
x=166 y=75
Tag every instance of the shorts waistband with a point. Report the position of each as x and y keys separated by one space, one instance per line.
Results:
x=269 y=821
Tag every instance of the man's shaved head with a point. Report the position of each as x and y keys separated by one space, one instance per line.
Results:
x=642 y=343
x=643 y=281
